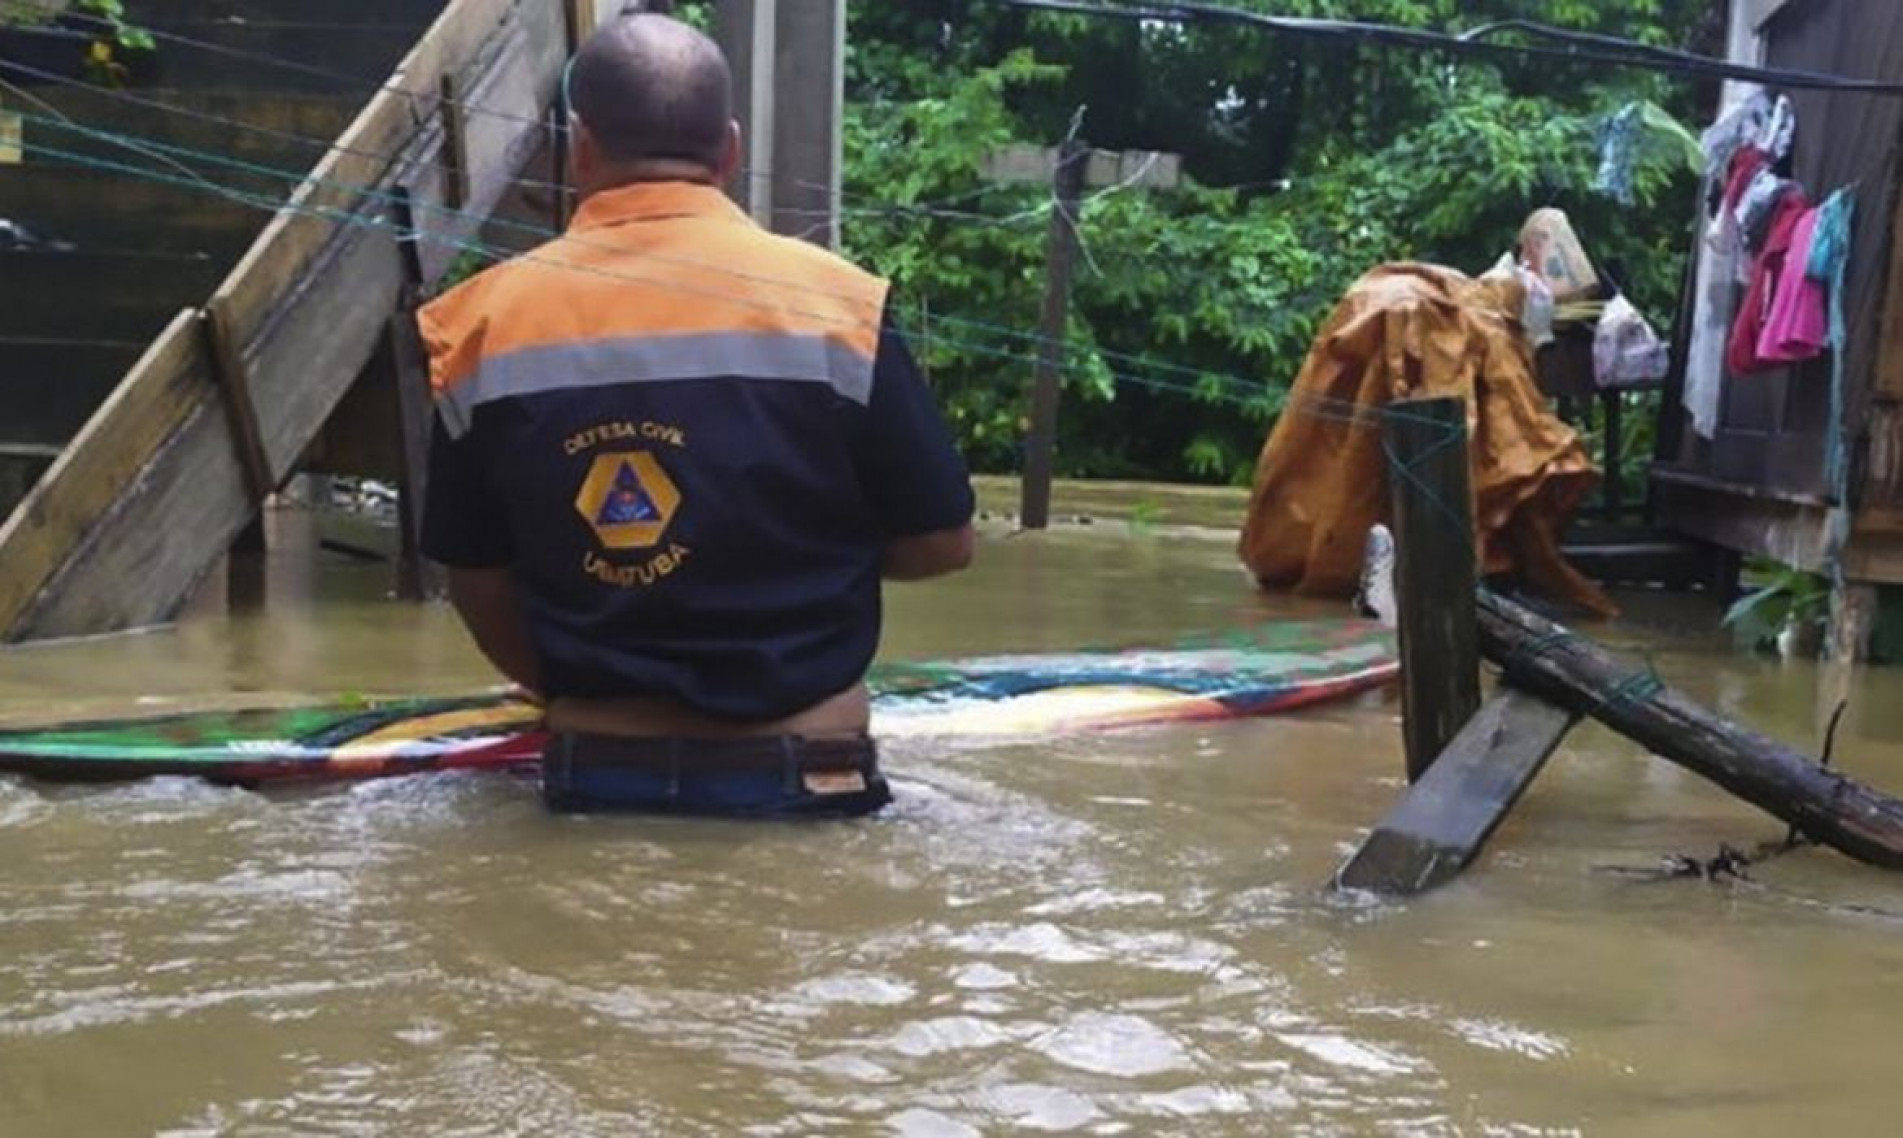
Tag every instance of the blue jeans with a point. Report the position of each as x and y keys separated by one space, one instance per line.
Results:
x=774 y=777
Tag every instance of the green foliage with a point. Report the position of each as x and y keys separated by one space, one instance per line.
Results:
x=1144 y=517
x=467 y=264
x=1310 y=162
x=124 y=35
x=1781 y=597
x=106 y=56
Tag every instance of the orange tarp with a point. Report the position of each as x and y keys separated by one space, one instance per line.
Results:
x=1404 y=331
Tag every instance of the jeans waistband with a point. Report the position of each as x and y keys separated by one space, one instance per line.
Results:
x=775 y=776
x=776 y=753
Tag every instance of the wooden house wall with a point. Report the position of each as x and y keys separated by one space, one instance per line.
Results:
x=1760 y=486
x=1855 y=144
x=1773 y=427
x=140 y=249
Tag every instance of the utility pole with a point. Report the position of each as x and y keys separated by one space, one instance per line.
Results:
x=1067 y=192
x=1070 y=168
x=789 y=55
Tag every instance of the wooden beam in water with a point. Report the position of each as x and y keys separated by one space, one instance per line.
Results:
x=1549 y=660
x=1440 y=825
x=1435 y=573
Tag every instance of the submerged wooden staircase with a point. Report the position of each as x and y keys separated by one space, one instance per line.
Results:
x=203 y=383
x=124 y=236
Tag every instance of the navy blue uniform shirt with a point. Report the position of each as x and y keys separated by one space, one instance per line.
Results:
x=713 y=541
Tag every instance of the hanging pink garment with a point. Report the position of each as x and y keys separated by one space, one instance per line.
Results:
x=1741 y=355
x=1797 y=328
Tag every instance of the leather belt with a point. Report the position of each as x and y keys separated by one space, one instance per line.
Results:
x=671 y=755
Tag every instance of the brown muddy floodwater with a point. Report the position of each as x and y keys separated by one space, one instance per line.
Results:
x=1126 y=934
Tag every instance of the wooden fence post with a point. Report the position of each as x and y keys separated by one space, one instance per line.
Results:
x=1435 y=573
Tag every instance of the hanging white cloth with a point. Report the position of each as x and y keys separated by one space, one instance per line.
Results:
x=1755 y=119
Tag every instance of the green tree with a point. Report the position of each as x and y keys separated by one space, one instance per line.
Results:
x=110 y=40
x=1312 y=160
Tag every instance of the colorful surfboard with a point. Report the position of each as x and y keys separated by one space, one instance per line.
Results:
x=1273 y=668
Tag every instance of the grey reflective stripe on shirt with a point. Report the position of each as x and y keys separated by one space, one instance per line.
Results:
x=657 y=359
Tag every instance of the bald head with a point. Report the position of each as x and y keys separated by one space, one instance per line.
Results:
x=649 y=88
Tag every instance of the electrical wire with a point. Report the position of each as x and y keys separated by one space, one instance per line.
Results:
x=1587 y=47
x=1202 y=383
x=391 y=196
x=932 y=208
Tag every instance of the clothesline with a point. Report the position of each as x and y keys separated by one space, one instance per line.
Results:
x=1789 y=252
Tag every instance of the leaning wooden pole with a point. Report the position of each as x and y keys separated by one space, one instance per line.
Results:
x=1545 y=658
x=1435 y=573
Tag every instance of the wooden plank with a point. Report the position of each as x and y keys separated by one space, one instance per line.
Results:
x=294 y=239
x=311 y=300
x=455 y=146
x=522 y=73
x=323 y=341
x=234 y=382
x=1875 y=559
x=160 y=392
x=145 y=557
x=1550 y=661
x=1440 y=825
x=1744 y=491
x=1752 y=525
x=1889 y=363
x=1435 y=572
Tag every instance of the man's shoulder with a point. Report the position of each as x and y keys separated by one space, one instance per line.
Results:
x=483 y=289
x=817 y=259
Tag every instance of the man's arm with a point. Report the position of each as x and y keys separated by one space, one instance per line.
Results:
x=487 y=602
x=466 y=529
x=928 y=555
x=912 y=472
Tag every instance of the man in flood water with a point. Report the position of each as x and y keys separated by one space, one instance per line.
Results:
x=674 y=457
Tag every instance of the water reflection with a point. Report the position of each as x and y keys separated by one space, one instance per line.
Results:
x=1125 y=934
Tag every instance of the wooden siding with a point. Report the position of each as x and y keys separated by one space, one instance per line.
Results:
x=1774 y=429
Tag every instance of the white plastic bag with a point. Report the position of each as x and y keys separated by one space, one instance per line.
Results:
x=1537 y=306
x=1625 y=350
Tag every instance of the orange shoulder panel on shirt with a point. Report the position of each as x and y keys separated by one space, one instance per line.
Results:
x=652 y=261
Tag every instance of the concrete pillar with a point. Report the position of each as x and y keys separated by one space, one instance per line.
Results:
x=810 y=85
x=746 y=31
x=789 y=58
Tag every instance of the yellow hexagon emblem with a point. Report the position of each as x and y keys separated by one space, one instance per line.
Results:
x=628 y=500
